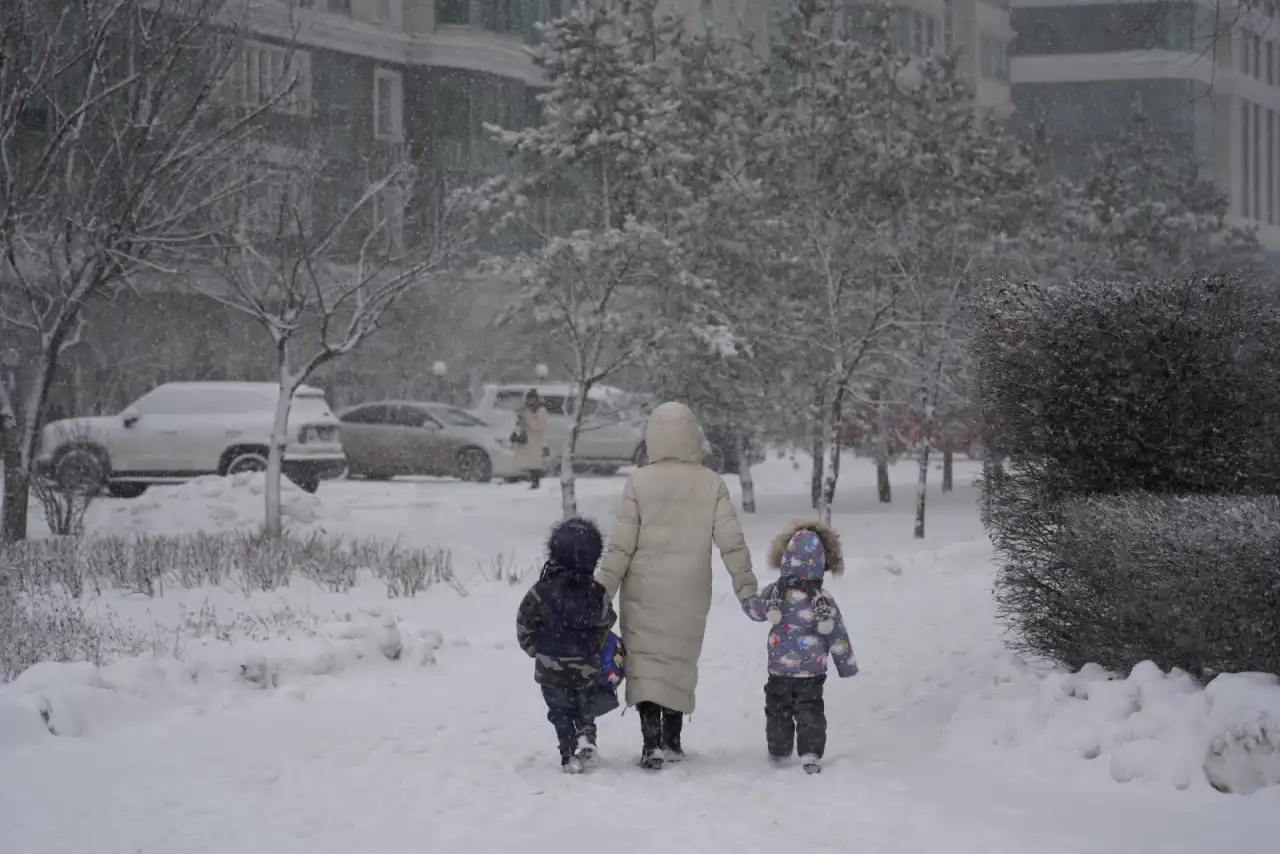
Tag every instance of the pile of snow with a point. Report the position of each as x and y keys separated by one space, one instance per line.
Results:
x=76 y=699
x=1153 y=727
x=211 y=505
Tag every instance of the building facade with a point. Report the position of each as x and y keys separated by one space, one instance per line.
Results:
x=1206 y=74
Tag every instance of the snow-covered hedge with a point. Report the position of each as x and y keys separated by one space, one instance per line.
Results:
x=1102 y=388
x=1191 y=582
x=1164 y=386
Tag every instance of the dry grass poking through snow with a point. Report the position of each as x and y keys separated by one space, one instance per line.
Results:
x=248 y=561
x=41 y=618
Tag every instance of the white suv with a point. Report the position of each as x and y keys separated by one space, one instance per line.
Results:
x=179 y=431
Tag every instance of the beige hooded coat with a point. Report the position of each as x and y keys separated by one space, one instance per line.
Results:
x=672 y=511
x=529 y=456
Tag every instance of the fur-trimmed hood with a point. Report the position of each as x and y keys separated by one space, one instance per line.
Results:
x=830 y=543
x=575 y=545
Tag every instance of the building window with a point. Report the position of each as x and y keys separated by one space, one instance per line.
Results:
x=1257 y=57
x=1271 y=168
x=268 y=73
x=948 y=27
x=456 y=13
x=902 y=29
x=994 y=63
x=387 y=12
x=1271 y=67
x=388 y=105
x=1244 y=159
x=1257 y=162
x=340 y=7
x=1108 y=27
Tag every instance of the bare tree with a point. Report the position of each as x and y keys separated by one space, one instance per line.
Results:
x=595 y=290
x=115 y=142
x=321 y=284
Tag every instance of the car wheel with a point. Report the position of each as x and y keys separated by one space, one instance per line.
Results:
x=474 y=466
x=308 y=484
x=641 y=458
x=607 y=471
x=81 y=470
x=126 y=489
x=246 y=462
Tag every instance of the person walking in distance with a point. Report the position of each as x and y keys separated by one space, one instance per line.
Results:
x=530 y=438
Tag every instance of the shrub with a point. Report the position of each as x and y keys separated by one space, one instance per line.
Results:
x=1191 y=582
x=1169 y=388
x=1165 y=386
x=49 y=628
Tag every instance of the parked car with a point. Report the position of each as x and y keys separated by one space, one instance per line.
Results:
x=612 y=426
x=182 y=430
x=387 y=438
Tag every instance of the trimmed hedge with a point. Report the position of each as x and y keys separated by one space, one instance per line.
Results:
x=1163 y=386
x=1190 y=582
x=1098 y=390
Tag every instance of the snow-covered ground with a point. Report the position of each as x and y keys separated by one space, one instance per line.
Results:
x=944 y=743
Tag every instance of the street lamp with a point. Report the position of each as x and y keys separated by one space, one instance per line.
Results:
x=440 y=369
x=540 y=371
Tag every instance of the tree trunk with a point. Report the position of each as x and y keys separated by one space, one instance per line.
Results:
x=274 y=524
x=818 y=450
x=744 y=474
x=831 y=441
x=921 y=488
x=17 y=485
x=884 y=489
x=568 y=477
x=948 y=470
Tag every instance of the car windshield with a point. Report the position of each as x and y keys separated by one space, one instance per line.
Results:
x=456 y=417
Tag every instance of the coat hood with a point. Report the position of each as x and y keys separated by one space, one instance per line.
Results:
x=576 y=546
x=673 y=435
x=827 y=539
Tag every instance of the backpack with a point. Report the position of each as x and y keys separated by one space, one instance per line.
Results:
x=613 y=658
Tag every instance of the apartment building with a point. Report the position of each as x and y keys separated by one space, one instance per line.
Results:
x=1205 y=73
x=428 y=74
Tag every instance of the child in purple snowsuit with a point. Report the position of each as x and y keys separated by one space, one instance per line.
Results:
x=807 y=630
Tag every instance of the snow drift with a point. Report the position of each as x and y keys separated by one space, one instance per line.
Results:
x=211 y=504
x=76 y=699
x=1152 y=727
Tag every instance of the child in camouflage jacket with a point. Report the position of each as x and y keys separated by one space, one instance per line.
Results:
x=562 y=625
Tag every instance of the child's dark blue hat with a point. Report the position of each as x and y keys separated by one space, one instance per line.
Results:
x=576 y=545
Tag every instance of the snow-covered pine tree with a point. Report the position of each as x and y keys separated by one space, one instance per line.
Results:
x=721 y=358
x=612 y=134
x=1141 y=206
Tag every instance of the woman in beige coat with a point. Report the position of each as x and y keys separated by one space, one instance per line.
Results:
x=531 y=425
x=672 y=511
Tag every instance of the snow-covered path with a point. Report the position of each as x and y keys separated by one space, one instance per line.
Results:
x=458 y=758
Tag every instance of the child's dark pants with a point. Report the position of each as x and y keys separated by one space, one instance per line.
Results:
x=573 y=712
x=795 y=715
